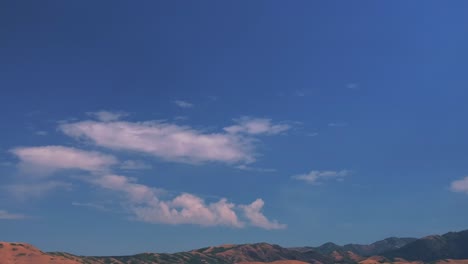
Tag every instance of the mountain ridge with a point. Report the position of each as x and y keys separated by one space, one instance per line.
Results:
x=374 y=248
x=449 y=248
x=434 y=247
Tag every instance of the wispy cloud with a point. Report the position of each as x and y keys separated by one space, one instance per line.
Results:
x=47 y=159
x=460 y=185
x=145 y=203
x=135 y=165
x=5 y=215
x=159 y=139
x=183 y=104
x=315 y=177
x=175 y=142
x=249 y=168
x=164 y=140
x=30 y=190
x=255 y=126
x=147 y=206
x=256 y=218
x=107 y=116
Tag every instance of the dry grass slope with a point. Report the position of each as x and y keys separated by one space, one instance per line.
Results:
x=21 y=253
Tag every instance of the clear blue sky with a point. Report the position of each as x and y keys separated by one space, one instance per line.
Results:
x=171 y=125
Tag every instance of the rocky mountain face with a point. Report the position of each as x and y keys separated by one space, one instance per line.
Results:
x=375 y=248
x=225 y=254
x=451 y=248
x=451 y=245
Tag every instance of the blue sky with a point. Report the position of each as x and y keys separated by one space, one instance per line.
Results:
x=171 y=125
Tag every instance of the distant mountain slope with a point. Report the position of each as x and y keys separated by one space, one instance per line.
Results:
x=452 y=245
x=451 y=248
x=375 y=248
x=276 y=262
x=379 y=247
x=226 y=254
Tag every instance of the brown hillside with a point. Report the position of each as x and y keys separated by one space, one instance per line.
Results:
x=21 y=253
x=277 y=262
x=453 y=261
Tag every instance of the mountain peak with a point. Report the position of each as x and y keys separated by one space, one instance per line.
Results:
x=453 y=245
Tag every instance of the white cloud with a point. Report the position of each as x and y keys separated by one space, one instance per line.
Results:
x=460 y=185
x=183 y=104
x=163 y=140
x=313 y=177
x=135 y=192
x=107 y=116
x=9 y=216
x=256 y=218
x=47 y=159
x=143 y=202
x=255 y=126
x=147 y=206
x=190 y=209
x=36 y=189
x=135 y=165
x=160 y=139
x=248 y=168
x=183 y=209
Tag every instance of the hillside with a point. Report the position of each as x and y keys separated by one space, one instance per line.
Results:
x=21 y=253
x=451 y=248
x=451 y=245
x=224 y=254
x=352 y=253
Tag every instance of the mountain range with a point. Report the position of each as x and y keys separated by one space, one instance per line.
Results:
x=450 y=248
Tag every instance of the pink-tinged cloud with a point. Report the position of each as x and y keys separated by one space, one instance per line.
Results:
x=47 y=159
x=163 y=140
x=26 y=191
x=146 y=204
x=134 y=165
x=186 y=208
x=107 y=116
x=253 y=212
x=136 y=193
x=256 y=126
x=314 y=177
x=460 y=185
